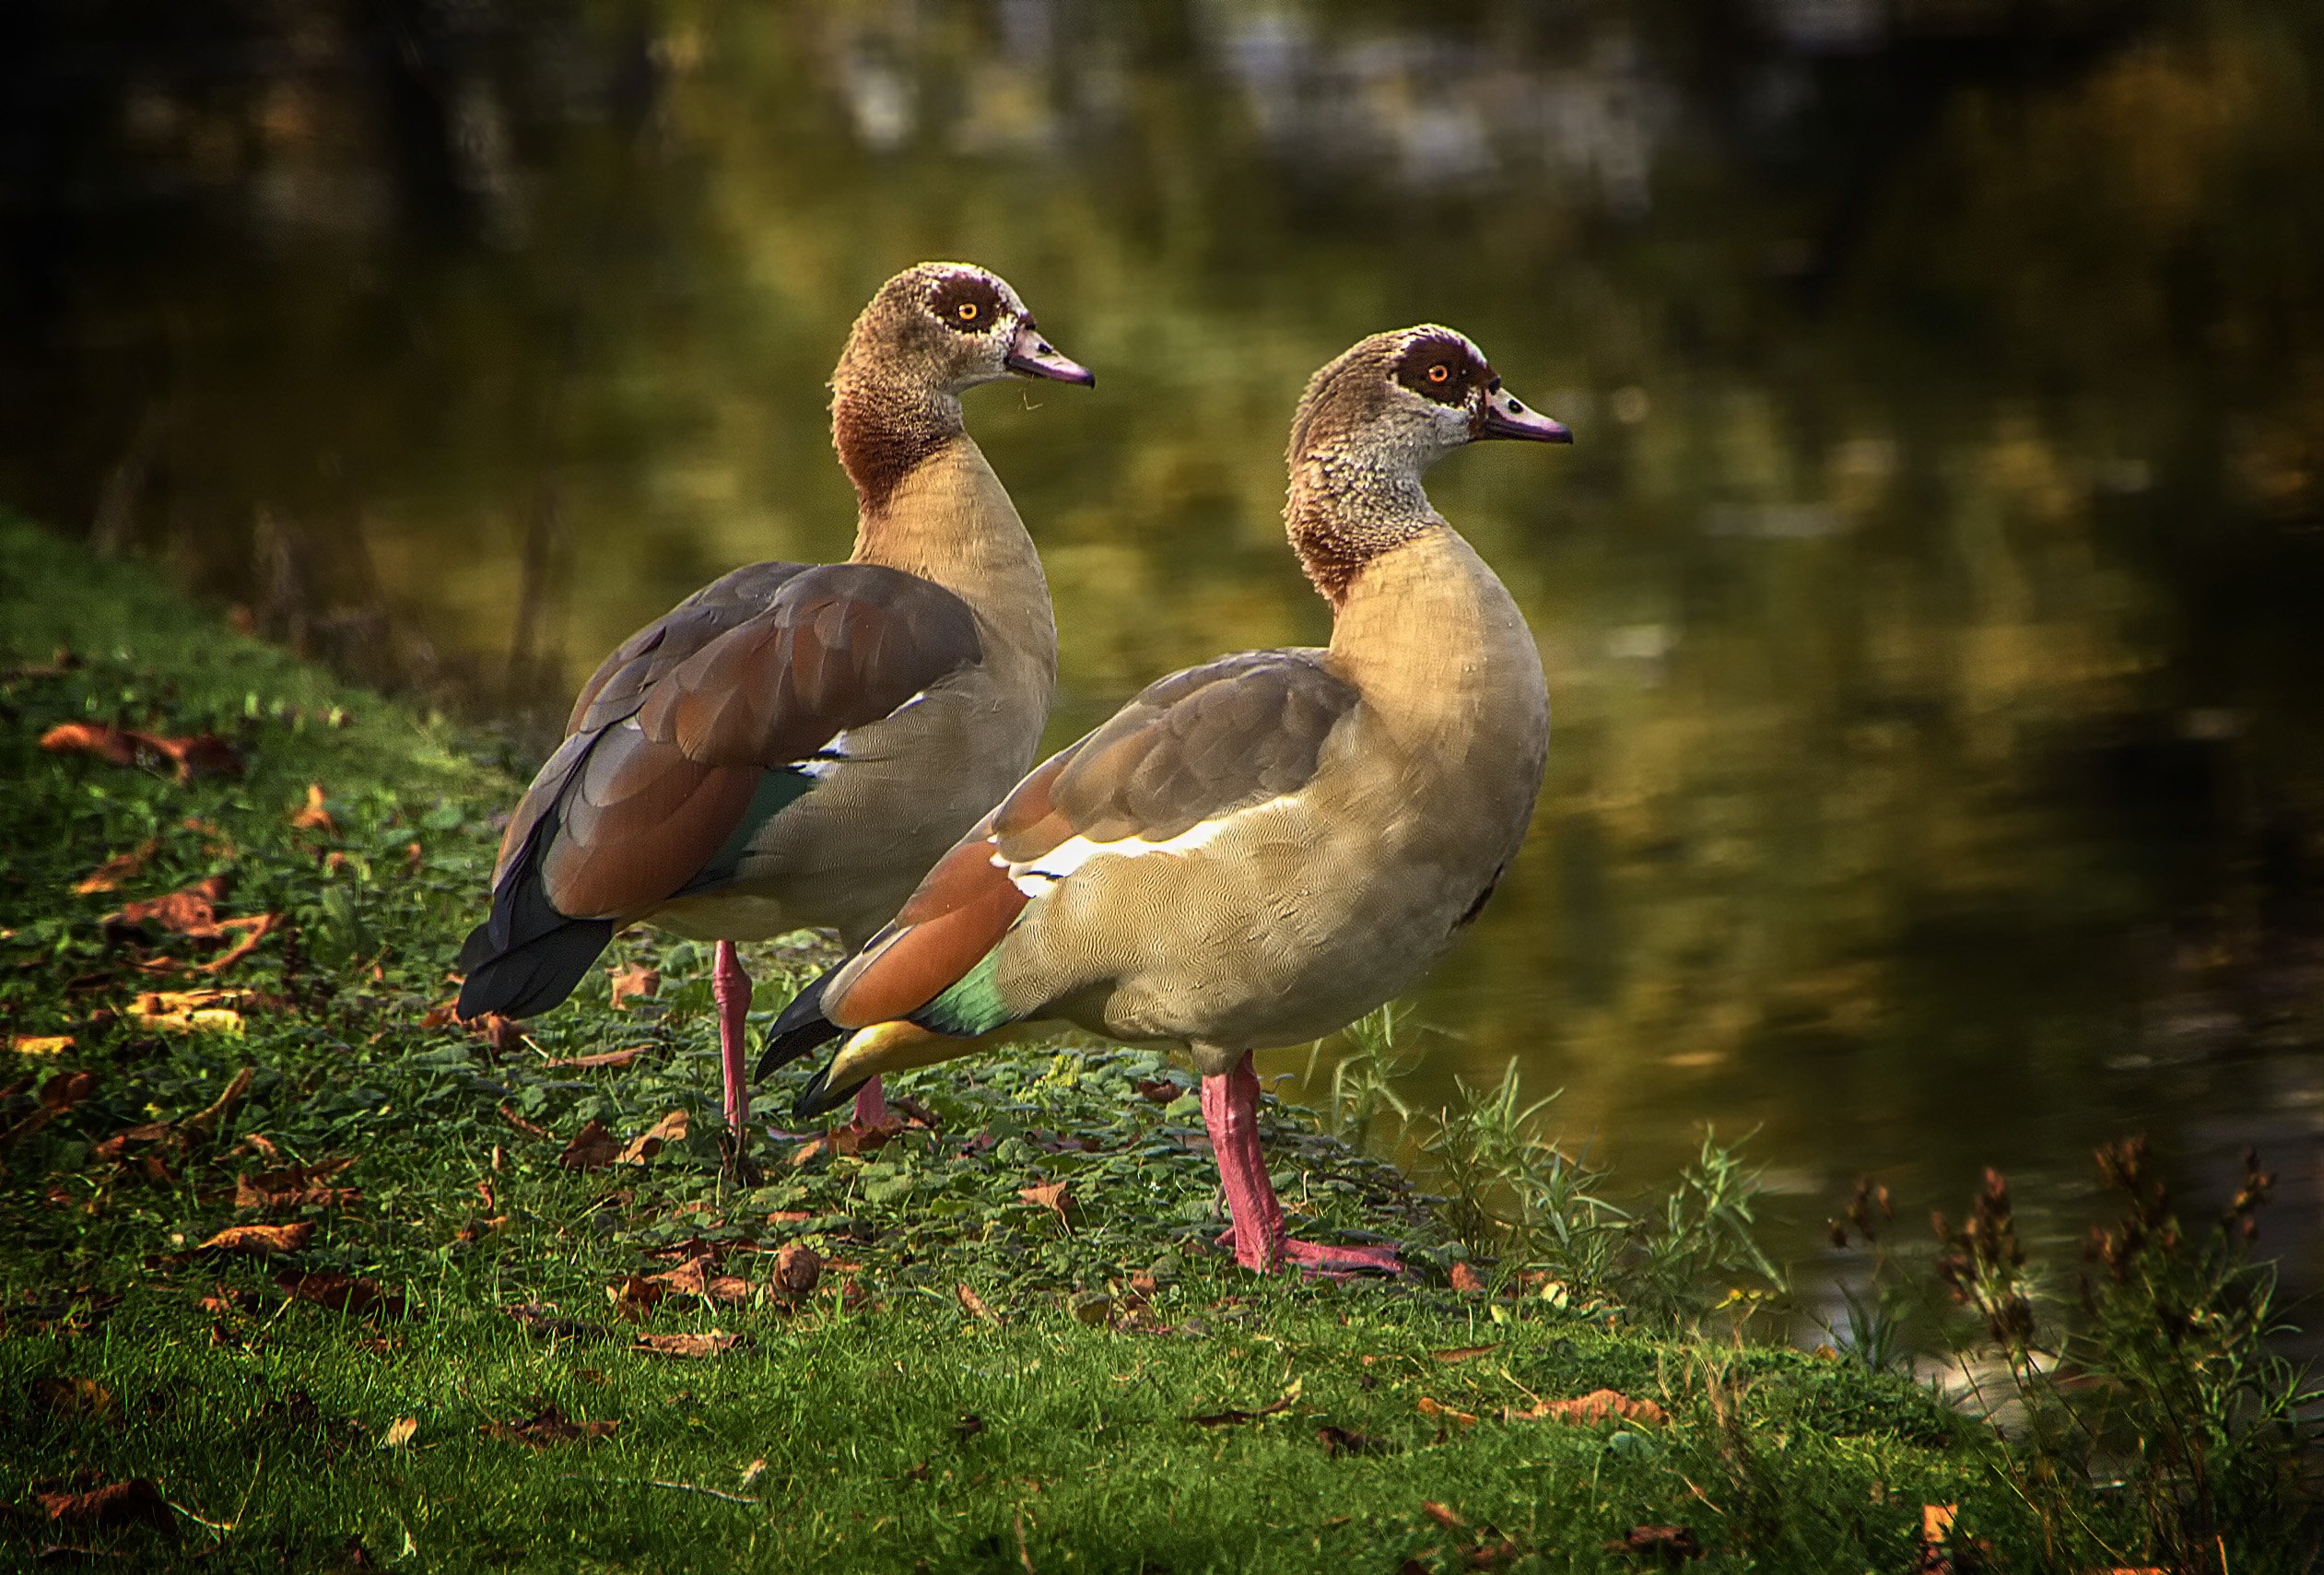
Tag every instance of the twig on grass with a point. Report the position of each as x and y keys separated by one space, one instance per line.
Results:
x=657 y=1482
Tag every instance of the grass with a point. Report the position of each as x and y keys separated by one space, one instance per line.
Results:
x=1018 y=1350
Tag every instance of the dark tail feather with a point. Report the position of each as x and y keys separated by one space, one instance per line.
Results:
x=528 y=980
x=800 y=1027
x=819 y=1098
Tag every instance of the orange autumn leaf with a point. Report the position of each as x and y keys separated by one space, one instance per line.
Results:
x=605 y=1060
x=532 y=1129
x=1051 y=1195
x=109 y=875
x=191 y=911
x=1466 y=1279
x=670 y=1129
x=261 y=1238
x=973 y=1304
x=548 y=1425
x=1438 y=1411
x=40 y=1044
x=714 y=1344
x=798 y=1269
x=1598 y=1405
x=202 y=753
x=312 y=816
x=636 y=979
x=351 y=1294
x=1463 y=1353
x=114 y=1504
x=1442 y=1516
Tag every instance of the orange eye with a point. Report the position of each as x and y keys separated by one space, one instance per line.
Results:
x=969 y=309
x=1440 y=373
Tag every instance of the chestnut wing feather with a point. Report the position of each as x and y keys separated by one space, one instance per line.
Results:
x=691 y=735
x=1197 y=745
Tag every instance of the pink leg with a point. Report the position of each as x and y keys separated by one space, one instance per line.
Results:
x=730 y=985
x=870 y=1105
x=1230 y=1110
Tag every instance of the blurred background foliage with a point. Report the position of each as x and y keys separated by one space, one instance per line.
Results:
x=1929 y=599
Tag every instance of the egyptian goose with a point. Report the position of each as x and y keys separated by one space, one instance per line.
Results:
x=1257 y=850
x=796 y=745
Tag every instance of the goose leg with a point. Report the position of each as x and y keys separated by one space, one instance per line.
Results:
x=870 y=1105
x=1230 y=1110
x=730 y=983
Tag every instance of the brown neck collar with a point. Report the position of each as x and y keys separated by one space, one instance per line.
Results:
x=885 y=430
x=1342 y=514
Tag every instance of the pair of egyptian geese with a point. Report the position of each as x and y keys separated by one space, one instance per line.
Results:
x=1252 y=853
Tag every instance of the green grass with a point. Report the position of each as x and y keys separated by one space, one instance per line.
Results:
x=898 y=1428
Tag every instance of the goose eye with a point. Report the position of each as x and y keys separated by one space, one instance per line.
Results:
x=1440 y=373
x=968 y=311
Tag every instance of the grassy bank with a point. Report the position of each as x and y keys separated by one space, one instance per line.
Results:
x=297 y=1272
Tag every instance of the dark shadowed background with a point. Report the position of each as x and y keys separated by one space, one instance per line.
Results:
x=1930 y=599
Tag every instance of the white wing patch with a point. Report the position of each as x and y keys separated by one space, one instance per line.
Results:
x=836 y=753
x=1035 y=877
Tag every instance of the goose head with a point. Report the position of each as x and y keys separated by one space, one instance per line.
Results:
x=1403 y=399
x=948 y=326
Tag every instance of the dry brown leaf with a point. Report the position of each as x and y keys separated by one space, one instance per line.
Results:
x=1466 y=1279
x=1160 y=1090
x=1442 y=1516
x=593 y=1148
x=115 y=1504
x=191 y=910
x=671 y=1128
x=1051 y=1195
x=200 y=755
x=73 y=1397
x=261 y=1238
x=973 y=1304
x=40 y=1044
x=216 y=1011
x=1337 y=1441
x=399 y=1432
x=114 y=1147
x=1673 y=1544
x=1463 y=1353
x=205 y=1121
x=1440 y=1412
x=634 y=1296
x=109 y=875
x=312 y=816
x=344 y=1293
x=636 y=979
x=253 y=930
x=547 y=1426
x=715 y=1343
x=798 y=1269
x=1598 y=1405
x=603 y=1059
x=530 y=1129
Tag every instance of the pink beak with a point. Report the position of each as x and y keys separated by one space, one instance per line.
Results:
x=1033 y=356
x=1505 y=417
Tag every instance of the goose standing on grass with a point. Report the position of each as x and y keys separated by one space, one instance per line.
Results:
x=795 y=745
x=1257 y=850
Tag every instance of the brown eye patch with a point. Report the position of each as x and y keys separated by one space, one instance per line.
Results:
x=964 y=301
x=1441 y=369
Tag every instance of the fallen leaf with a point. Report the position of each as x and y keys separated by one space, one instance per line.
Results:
x=752 y=1473
x=112 y=1148
x=1491 y=1552
x=1160 y=1090
x=64 y=1091
x=1337 y=1441
x=399 y=1432
x=1463 y=1353
x=634 y=1296
x=548 y=1425
x=312 y=816
x=542 y=1319
x=593 y=1147
x=40 y=1044
x=671 y=1128
x=1466 y=1279
x=253 y=930
x=1442 y=1516
x=205 y=1121
x=534 y=1128
x=973 y=1304
x=296 y=1186
x=191 y=910
x=1051 y=1195
x=1598 y=1405
x=798 y=1269
x=261 y=1238
x=73 y=1397
x=1232 y=1415
x=1444 y=1413
x=605 y=1059
x=635 y=979
x=192 y=1011
x=115 y=1504
x=109 y=875
x=202 y=753
x=344 y=1293
x=710 y=1345
x=500 y=1035
x=1671 y=1543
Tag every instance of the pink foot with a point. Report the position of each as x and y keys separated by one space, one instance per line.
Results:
x=730 y=983
x=1230 y=1110
x=871 y=1106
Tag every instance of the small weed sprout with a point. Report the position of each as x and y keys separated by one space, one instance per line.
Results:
x=1363 y=1087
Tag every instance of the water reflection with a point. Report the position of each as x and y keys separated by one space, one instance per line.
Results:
x=1928 y=601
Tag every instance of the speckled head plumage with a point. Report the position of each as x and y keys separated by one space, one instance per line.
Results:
x=1372 y=420
x=929 y=335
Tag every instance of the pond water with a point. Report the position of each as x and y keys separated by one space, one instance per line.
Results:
x=1929 y=599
